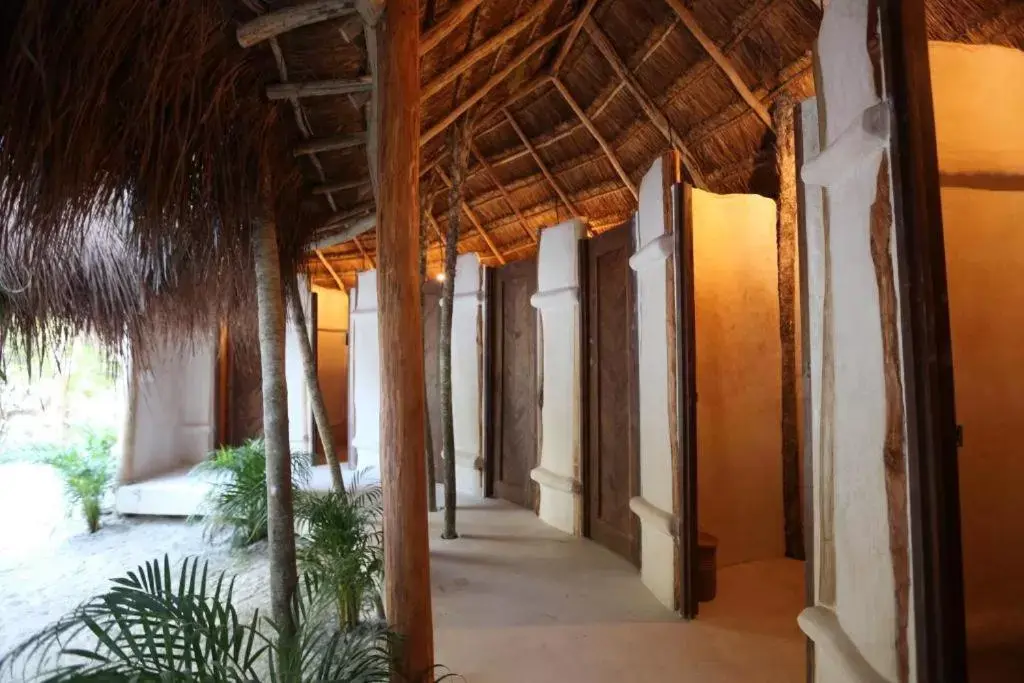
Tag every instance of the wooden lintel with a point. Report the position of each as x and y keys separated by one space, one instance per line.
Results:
x=330 y=269
x=469 y=61
x=330 y=144
x=341 y=187
x=491 y=83
x=530 y=232
x=473 y=218
x=448 y=23
x=280 y=21
x=723 y=62
x=339 y=86
x=574 y=33
x=608 y=151
x=543 y=166
x=660 y=121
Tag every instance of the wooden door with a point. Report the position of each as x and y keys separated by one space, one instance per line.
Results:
x=514 y=382
x=612 y=473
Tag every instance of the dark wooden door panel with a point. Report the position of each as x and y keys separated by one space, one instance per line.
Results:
x=612 y=468
x=514 y=382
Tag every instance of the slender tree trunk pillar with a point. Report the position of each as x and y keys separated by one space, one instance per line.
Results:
x=280 y=515
x=403 y=466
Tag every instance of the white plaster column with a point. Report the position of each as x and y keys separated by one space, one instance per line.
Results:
x=466 y=353
x=654 y=505
x=558 y=300
x=300 y=411
x=364 y=366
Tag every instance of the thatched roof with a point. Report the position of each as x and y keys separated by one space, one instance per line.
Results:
x=151 y=117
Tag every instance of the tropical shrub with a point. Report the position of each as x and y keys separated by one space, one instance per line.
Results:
x=237 y=502
x=343 y=547
x=87 y=470
x=153 y=625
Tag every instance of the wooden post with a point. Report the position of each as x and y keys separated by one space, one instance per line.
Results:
x=403 y=404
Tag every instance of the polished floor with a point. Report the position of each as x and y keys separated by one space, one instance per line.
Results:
x=515 y=601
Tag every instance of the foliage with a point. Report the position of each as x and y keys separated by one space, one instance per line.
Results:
x=237 y=502
x=154 y=626
x=87 y=470
x=343 y=546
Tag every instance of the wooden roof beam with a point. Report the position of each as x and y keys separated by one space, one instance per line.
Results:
x=530 y=232
x=608 y=152
x=495 y=80
x=543 y=166
x=331 y=144
x=448 y=23
x=330 y=269
x=723 y=62
x=660 y=121
x=473 y=218
x=574 y=33
x=362 y=252
x=341 y=187
x=273 y=24
x=338 y=86
x=469 y=61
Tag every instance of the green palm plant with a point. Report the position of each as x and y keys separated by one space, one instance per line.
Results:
x=87 y=471
x=237 y=502
x=154 y=626
x=343 y=547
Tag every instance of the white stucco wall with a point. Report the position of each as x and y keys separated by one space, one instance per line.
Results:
x=558 y=300
x=300 y=415
x=654 y=506
x=739 y=379
x=364 y=366
x=466 y=352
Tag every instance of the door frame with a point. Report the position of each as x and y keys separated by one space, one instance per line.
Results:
x=489 y=322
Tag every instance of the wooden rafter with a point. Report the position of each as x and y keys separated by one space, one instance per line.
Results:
x=448 y=23
x=273 y=24
x=341 y=187
x=337 y=86
x=543 y=166
x=723 y=62
x=437 y=229
x=473 y=218
x=530 y=232
x=574 y=33
x=357 y=211
x=660 y=121
x=330 y=269
x=491 y=83
x=331 y=144
x=480 y=52
x=608 y=151
x=362 y=252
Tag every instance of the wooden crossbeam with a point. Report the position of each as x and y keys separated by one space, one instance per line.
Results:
x=338 y=86
x=480 y=52
x=530 y=232
x=723 y=62
x=448 y=23
x=357 y=211
x=608 y=152
x=660 y=121
x=362 y=252
x=472 y=218
x=491 y=83
x=437 y=229
x=330 y=144
x=341 y=187
x=273 y=24
x=543 y=166
x=574 y=33
x=330 y=269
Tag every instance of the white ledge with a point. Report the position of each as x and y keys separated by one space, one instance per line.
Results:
x=558 y=482
x=656 y=251
x=864 y=138
x=555 y=298
x=653 y=516
x=822 y=627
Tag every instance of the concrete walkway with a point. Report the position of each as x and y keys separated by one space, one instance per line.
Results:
x=516 y=601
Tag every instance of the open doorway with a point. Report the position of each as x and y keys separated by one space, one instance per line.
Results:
x=330 y=320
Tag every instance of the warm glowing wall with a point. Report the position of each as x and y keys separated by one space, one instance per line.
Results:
x=739 y=383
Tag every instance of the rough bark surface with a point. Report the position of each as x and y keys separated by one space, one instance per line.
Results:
x=785 y=165
x=403 y=405
x=280 y=515
x=427 y=436
x=316 y=397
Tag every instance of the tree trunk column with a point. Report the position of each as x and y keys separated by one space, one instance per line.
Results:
x=403 y=469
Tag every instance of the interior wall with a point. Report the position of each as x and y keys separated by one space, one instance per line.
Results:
x=332 y=361
x=654 y=506
x=364 y=364
x=739 y=382
x=466 y=354
x=300 y=412
x=558 y=300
